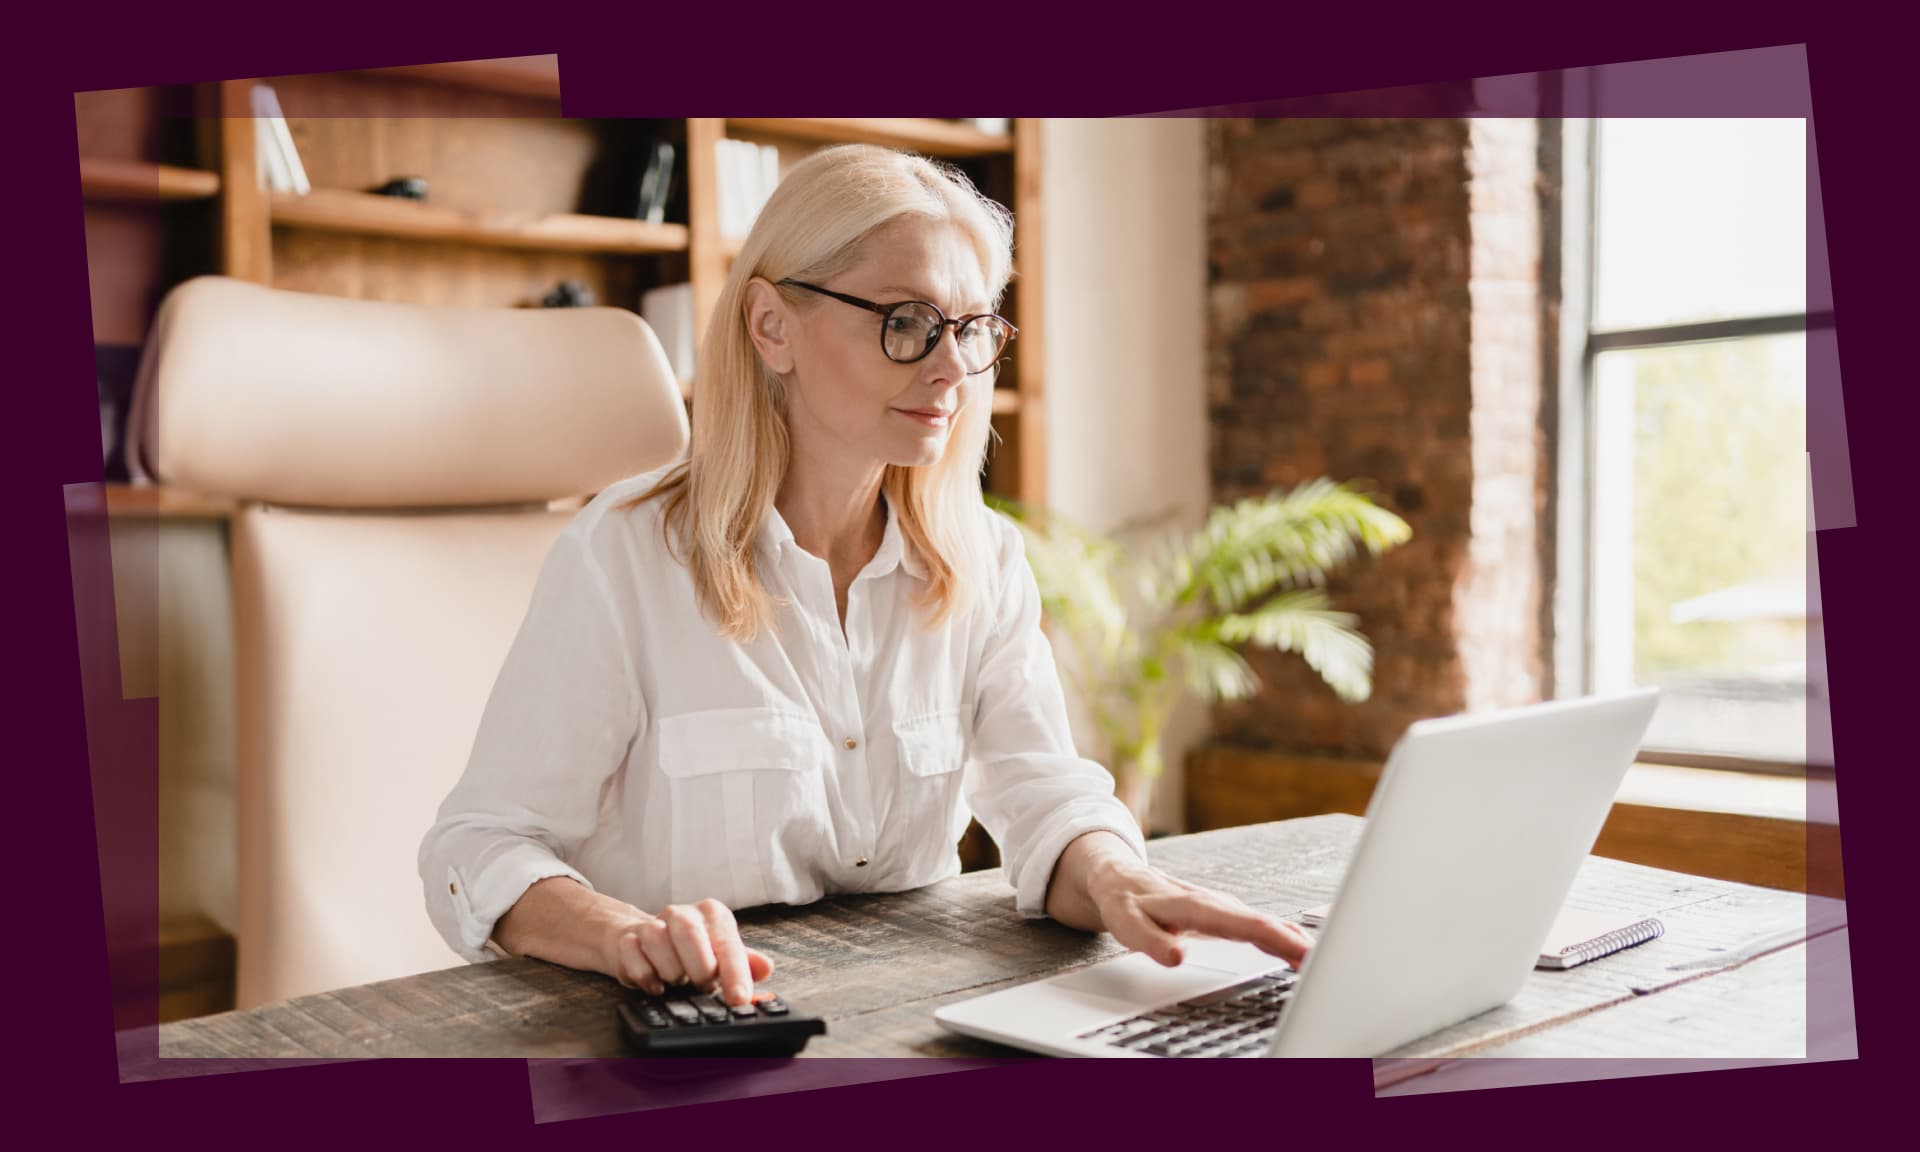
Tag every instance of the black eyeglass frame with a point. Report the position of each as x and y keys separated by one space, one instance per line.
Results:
x=886 y=312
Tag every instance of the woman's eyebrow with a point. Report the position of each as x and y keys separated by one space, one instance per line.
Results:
x=916 y=294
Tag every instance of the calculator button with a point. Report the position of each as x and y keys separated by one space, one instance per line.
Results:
x=710 y=1012
x=773 y=1006
x=654 y=1017
x=742 y=1011
x=682 y=1012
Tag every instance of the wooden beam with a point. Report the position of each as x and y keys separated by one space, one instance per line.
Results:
x=246 y=234
x=706 y=251
x=1030 y=224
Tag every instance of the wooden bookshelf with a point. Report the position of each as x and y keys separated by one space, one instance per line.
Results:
x=362 y=213
x=518 y=202
x=139 y=180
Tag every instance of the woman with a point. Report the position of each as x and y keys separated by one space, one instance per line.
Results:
x=793 y=664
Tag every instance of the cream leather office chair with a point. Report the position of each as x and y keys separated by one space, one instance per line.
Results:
x=396 y=463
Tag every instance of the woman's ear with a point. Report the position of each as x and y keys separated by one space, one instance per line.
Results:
x=769 y=325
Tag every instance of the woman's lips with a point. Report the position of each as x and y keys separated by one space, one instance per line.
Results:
x=932 y=417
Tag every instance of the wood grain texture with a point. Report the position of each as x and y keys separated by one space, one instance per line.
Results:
x=102 y=179
x=358 y=213
x=931 y=137
x=1027 y=296
x=440 y=272
x=515 y=75
x=875 y=966
x=707 y=257
x=246 y=248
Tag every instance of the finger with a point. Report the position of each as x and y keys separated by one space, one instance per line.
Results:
x=736 y=980
x=656 y=940
x=1211 y=914
x=633 y=969
x=1138 y=931
x=689 y=930
x=760 y=964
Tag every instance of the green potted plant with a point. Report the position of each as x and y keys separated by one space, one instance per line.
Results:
x=1252 y=574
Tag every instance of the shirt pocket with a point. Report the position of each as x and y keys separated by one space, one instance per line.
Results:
x=933 y=751
x=743 y=781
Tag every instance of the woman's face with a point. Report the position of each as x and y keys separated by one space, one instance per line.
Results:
x=845 y=395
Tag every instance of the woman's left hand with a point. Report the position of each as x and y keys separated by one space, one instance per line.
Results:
x=1148 y=911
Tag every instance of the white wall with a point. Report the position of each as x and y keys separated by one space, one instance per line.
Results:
x=1125 y=299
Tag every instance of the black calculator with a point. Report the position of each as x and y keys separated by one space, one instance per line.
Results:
x=698 y=1024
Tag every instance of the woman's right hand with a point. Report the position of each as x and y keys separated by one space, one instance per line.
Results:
x=696 y=945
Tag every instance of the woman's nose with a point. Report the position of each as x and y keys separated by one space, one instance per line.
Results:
x=948 y=351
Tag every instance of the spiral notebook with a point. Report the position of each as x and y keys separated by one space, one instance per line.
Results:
x=1576 y=937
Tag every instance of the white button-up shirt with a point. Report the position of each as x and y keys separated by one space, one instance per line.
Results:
x=628 y=746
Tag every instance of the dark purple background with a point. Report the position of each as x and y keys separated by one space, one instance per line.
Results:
x=1013 y=59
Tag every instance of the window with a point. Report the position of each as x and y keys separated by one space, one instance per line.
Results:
x=1693 y=419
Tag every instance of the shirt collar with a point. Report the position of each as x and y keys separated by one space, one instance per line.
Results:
x=776 y=537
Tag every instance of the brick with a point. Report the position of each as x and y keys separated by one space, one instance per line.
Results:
x=1368 y=373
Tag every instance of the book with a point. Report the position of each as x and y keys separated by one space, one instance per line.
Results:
x=728 y=185
x=769 y=175
x=1576 y=936
x=747 y=173
x=285 y=172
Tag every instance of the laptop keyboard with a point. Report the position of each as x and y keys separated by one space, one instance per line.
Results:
x=1236 y=1021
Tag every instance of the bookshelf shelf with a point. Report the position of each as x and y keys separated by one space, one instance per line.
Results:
x=132 y=180
x=333 y=210
x=935 y=137
x=514 y=75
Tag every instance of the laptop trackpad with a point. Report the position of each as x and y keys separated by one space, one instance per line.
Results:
x=1138 y=979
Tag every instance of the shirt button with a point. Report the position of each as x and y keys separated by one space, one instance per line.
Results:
x=860 y=863
x=451 y=888
x=852 y=743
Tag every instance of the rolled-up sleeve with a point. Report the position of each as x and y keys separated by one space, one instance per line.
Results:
x=1027 y=785
x=563 y=711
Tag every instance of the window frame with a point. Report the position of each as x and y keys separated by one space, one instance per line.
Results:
x=1581 y=344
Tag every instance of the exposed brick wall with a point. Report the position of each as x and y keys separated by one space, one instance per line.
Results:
x=1498 y=600
x=1374 y=315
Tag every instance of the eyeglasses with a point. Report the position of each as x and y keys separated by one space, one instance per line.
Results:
x=911 y=329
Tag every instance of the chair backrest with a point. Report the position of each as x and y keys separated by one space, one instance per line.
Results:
x=396 y=465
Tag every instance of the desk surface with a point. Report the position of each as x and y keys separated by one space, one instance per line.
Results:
x=1727 y=980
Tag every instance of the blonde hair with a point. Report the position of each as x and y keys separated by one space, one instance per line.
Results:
x=718 y=497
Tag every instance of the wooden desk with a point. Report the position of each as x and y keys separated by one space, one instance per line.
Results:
x=1727 y=980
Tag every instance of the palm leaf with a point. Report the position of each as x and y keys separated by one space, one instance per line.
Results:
x=1286 y=539
x=1301 y=621
x=1217 y=672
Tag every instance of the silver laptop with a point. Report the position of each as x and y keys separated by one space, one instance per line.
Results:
x=1473 y=837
